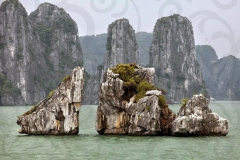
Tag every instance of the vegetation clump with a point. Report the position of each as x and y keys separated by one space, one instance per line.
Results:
x=142 y=88
x=148 y=108
x=34 y=108
x=65 y=78
x=133 y=84
x=184 y=104
x=50 y=94
x=162 y=102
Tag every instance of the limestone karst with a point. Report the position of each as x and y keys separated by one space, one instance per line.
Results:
x=58 y=114
x=172 y=54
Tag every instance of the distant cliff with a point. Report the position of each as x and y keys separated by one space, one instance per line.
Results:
x=222 y=76
x=144 y=40
x=121 y=47
x=94 y=48
x=172 y=54
x=36 y=51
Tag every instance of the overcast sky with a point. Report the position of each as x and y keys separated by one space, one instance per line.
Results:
x=215 y=22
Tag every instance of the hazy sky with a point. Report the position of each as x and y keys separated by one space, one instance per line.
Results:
x=215 y=22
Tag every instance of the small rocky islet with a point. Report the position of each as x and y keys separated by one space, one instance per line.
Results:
x=58 y=114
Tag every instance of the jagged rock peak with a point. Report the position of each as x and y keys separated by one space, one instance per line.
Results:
x=16 y=4
x=59 y=113
x=121 y=44
x=172 y=54
x=49 y=15
x=196 y=118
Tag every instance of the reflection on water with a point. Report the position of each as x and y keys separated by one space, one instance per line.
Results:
x=89 y=145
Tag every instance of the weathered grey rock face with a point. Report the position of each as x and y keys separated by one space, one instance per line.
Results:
x=172 y=54
x=20 y=55
x=58 y=34
x=121 y=44
x=221 y=75
x=31 y=46
x=118 y=116
x=121 y=47
x=146 y=117
x=59 y=113
x=196 y=118
x=111 y=118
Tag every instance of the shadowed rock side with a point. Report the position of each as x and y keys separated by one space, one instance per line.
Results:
x=196 y=118
x=117 y=114
x=59 y=113
x=172 y=54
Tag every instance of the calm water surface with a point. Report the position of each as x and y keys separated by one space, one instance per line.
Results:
x=89 y=145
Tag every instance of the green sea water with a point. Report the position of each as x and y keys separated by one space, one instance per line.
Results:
x=89 y=145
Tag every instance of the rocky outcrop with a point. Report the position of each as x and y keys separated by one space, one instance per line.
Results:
x=196 y=118
x=59 y=113
x=45 y=42
x=172 y=54
x=116 y=114
x=221 y=75
x=121 y=47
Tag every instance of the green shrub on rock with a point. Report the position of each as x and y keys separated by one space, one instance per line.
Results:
x=134 y=85
x=142 y=88
x=184 y=103
x=34 y=108
x=50 y=94
x=162 y=102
